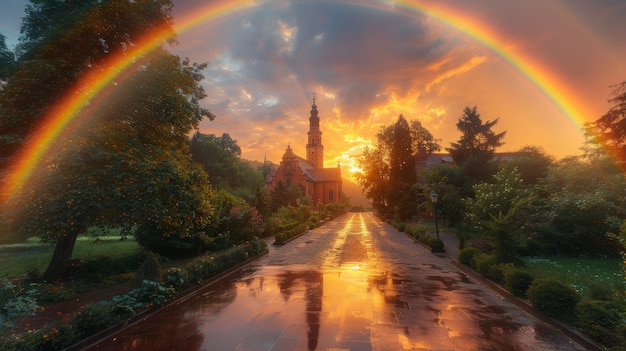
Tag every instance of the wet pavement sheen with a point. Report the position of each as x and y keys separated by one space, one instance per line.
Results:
x=353 y=284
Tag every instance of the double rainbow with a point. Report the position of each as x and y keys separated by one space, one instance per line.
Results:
x=96 y=84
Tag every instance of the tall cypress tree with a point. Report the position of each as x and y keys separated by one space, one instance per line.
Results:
x=402 y=174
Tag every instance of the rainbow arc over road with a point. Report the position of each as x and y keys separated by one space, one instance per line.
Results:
x=95 y=85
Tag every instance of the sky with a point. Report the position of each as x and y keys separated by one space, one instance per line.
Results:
x=543 y=68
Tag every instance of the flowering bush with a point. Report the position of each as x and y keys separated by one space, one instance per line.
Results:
x=244 y=223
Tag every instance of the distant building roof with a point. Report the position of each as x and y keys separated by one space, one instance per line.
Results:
x=324 y=174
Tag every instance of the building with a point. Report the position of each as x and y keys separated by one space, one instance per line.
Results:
x=322 y=185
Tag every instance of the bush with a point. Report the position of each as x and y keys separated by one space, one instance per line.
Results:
x=415 y=230
x=484 y=263
x=599 y=320
x=467 y=256
x=436 y=245
x=517 y=281
x=554 y=298
x=150 y=269
x=176 y=277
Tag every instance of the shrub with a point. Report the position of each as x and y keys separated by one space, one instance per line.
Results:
x=176 y=277
x=467 y=255
x=436 y=245
x=415 y=230
x=517 y=281
x=92 y=319
x=599 y=320
x=598 y=291
x=554 y=298
x=150 y=269
x=483 y=263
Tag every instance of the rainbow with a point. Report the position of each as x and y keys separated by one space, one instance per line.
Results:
x=97 y=84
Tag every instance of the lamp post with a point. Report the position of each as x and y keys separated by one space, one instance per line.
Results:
x=433 y=198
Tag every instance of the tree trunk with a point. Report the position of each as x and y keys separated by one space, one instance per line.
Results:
x=62 y=252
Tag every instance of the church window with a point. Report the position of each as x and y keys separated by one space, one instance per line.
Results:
x=331 y=196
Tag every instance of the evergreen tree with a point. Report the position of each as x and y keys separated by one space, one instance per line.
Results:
x=475 y=150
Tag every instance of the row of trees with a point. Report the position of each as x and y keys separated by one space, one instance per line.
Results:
x=522 y=202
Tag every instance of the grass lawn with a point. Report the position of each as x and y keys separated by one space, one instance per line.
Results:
x=19 y=259
x=579 y=272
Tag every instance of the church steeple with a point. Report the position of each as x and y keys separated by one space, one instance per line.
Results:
x=314 y=147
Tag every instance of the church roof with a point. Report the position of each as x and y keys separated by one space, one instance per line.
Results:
x=324 y=174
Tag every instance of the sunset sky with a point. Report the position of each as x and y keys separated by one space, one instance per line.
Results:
x=542 y=67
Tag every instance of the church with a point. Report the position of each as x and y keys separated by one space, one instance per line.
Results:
x=322 y=185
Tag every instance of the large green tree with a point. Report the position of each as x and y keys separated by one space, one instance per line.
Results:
x=130 y=164
x=220 y=156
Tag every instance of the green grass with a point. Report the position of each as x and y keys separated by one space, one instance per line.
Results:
x=579 y=272
x=19 y=259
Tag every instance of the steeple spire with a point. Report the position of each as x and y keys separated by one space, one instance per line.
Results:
x=314 y=148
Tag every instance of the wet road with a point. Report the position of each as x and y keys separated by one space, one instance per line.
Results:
x=352 y=284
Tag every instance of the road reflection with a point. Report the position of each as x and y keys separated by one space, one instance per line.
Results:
x=293 y=307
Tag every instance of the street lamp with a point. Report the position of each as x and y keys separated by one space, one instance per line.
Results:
x=433 y=198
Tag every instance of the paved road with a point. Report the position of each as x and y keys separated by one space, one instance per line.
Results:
x=352 y=284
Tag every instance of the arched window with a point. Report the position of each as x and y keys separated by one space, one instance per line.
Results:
x=331 y=196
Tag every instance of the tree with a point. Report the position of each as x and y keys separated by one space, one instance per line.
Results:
x=532 y=163
x=7 y=60
x=374 y=178
x=422 y=139
x=220 y=158
x=610 y=129
x=402 y=174
x=476 y=147
x=497 y=212
x=582 y=204
x=130 y=164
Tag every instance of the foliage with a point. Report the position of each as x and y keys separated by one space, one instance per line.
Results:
x=477 y=138
x=17 y=301
x=467 y=256
x=609 y=131
x=388 y=175
x=531 y=162
x=422 y=140
x=374 y=179
x=581 y=203
x=243 y=224
x=286 y=235
x=7 y=60
x=517 y=281
x=402 y=177
x=580 y=272
x=600 y=320
x=554 y=298
x=415 y=230
x=220 y=158
x=498 y=211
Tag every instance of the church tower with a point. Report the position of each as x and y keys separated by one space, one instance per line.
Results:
x=314 y=148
